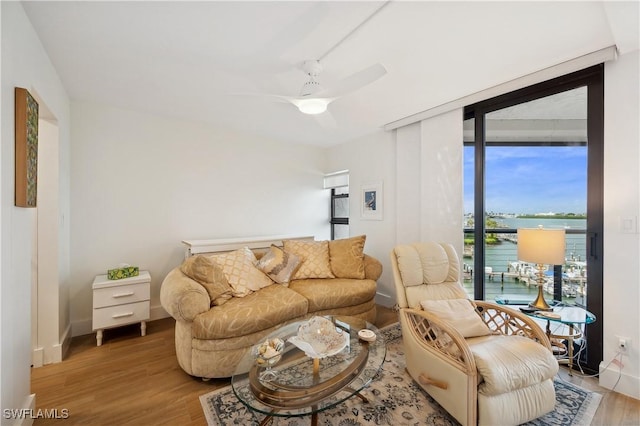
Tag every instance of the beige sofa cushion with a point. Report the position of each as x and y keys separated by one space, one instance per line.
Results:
x=507 y=363
x=241 y=272
x=257 y=311
x=210 y=275
x=314 y=256
x=335 y=293
x=278 y=264
x=346 y=257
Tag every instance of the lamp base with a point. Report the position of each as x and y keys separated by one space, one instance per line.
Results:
x=540 y=304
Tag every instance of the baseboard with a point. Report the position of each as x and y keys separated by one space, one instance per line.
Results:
x=81 y=327
x=24 y=415
x=66 y=341
x=619 y=381
x=384 y=300
x=37 y=357
x=157 y=312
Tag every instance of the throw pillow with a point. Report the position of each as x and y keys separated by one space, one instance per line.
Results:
x=278 y=264
x=239 y=268
x=314 y=256
x=346 y=257
x=459 y=313
x=210 y=276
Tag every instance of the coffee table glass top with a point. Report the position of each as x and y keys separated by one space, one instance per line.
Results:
x=298 y=387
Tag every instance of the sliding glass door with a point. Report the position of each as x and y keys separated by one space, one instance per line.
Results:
x=534 y=158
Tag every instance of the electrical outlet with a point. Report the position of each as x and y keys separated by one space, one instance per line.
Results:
x=623 y=343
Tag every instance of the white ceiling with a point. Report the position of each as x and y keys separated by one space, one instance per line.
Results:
x=190 y=59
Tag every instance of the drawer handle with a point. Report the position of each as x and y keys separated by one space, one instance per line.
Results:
x=129 y=293
x=127 y=314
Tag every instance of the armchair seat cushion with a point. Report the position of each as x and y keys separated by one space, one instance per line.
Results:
x=508 y=363
x=336 y=293
x=242 y=316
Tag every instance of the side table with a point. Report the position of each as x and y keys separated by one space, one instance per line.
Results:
x=120 y=302
x=574 y=317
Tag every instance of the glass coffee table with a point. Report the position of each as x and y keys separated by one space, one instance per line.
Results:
x=298 y=385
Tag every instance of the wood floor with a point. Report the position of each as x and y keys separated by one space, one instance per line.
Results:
x=134 y=380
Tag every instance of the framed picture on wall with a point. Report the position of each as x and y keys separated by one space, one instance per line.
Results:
x=26 y=146
x=371 y=201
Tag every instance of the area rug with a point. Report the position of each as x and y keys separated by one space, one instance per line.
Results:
x=395 y=400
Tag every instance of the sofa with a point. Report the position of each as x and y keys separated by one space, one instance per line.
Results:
x=227 y=299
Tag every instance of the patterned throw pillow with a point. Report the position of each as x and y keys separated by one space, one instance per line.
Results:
x=314 y=256
x=210 y=276
x=278 y=264
x=347 y=257
x=241 y=272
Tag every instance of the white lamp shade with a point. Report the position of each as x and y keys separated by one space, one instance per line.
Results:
x=538 y=245
x=312 y=105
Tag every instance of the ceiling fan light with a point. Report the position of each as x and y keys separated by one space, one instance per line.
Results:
x=312 y=106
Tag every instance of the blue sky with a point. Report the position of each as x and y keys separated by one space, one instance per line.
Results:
x=530 y=179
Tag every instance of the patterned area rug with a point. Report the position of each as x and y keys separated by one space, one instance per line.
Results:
x=395 y=400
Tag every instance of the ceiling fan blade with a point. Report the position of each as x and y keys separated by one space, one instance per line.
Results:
x=355 y=81
x=326 y=119
x=268 y=96
x=300 y=102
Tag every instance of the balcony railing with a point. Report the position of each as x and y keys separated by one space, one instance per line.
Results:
x=504 y=274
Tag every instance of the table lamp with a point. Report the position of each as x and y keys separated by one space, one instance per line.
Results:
x=542 y=247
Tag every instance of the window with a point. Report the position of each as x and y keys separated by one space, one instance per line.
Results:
x=338 y=182
x=339 y=213
x=536 y=156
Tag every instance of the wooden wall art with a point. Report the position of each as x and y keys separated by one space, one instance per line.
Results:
x=26 y=149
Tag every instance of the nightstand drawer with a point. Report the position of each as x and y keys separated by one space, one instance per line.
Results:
x=119 y=295
x=113 y=316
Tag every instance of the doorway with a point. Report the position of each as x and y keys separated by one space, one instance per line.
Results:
x=45 y=288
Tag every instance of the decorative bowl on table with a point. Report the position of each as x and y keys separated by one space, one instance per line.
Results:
x=268 y=353
x=319 y=338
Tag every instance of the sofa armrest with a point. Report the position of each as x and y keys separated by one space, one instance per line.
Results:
x=372 y=268
x=182 y=297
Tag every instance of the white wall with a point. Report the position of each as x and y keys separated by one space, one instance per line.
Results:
x=24 y=64
x=429 y=175
x=141 y=184
x=370 y=160
x=621 y=288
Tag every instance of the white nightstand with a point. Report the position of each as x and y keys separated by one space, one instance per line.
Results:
x=120 y=302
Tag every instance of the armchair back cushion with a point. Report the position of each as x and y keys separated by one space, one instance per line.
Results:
x=460 y=314
x=428 y=271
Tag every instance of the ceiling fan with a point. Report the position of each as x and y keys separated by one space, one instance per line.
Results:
x=314 y=99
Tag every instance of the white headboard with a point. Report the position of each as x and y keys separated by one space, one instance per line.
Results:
x=194 y=247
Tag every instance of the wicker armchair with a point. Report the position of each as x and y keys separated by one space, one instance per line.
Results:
x=502 y=376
